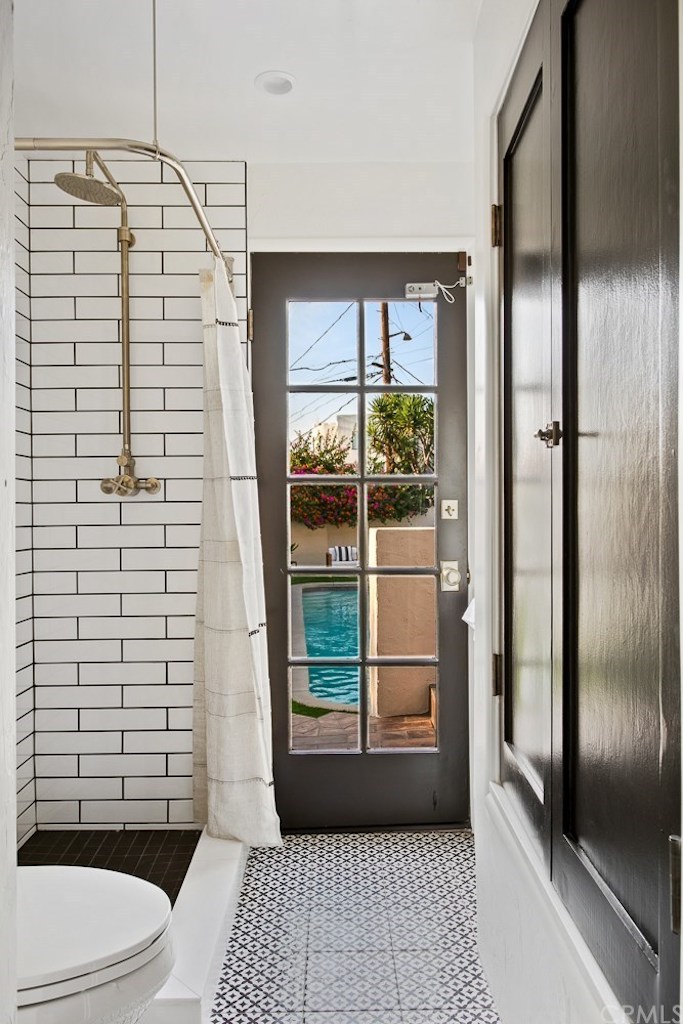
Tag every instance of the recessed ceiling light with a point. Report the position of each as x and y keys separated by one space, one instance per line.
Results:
x=277 y=83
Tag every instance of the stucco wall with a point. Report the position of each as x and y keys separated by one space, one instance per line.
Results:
x=402 y=613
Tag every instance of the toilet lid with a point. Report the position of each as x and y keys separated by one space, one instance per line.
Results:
x=74 y=921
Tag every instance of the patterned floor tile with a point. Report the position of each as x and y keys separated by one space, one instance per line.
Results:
x=230 y=1016
x=475 y=1016
x=350 y=981
x=337 y=929
x=451 y=979
x=423 y=928
x=261 y=980
x=257 y=930
x=354 y=1017
x=372 y=928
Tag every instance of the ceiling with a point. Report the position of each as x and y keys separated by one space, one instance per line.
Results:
x=376 y=80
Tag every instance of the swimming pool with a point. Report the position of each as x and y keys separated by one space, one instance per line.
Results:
x=331 y=629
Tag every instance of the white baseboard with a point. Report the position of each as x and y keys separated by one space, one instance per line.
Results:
x=537 y=963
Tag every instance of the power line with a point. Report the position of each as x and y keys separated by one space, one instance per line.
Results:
x=317 y=403
x=350 y=305
x=406 y=370
x=325 y=366
x=327 y=416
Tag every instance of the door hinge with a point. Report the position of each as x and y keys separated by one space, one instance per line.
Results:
x=250 y=325
x=496 y=226
x=675 y=882
x=497 y=675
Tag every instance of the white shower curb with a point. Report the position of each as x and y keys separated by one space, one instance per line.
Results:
x=202 y=920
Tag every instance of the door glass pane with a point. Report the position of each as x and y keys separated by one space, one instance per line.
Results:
x=322 y=342
x=399 y=342
x=399 y=432
x=324 y=617
x=324 y=707
x=323 y=433
x=402 y=706
x=401 y=527
x=402 y=616
x=323 y=524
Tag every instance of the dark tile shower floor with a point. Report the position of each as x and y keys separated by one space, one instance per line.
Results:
x=161 y=856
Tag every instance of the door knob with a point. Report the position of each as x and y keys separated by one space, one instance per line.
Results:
x=551 y=435
x=451 y=576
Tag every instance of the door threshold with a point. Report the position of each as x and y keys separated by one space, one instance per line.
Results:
x=365 y=829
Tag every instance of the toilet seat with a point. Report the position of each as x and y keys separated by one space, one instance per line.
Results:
x=84 y=927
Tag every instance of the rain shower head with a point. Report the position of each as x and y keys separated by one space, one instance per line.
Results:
x=89 y=188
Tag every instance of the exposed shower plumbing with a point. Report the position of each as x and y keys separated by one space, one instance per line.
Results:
x=109 y=193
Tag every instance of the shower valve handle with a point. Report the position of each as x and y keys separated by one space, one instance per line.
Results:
x=127 y=484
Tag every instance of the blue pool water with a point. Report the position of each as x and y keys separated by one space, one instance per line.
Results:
x=331 y=627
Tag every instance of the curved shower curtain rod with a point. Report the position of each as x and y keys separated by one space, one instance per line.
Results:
x=147 y=149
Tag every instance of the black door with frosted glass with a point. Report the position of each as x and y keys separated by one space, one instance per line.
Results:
x=360 y=406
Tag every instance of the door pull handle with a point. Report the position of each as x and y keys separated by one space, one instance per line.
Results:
x=551 y=435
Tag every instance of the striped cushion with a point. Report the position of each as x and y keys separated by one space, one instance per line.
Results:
x=344 y=553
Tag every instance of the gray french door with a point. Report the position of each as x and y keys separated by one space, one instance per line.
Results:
x=360 y=408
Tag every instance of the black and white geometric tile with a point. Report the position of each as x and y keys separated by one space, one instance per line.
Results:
x=368 y=928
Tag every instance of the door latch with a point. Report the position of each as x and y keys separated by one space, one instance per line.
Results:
x=451 y=576
x=551 y=435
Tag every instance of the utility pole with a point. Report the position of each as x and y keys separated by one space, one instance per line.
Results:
x=386 y=350
x=386 y=363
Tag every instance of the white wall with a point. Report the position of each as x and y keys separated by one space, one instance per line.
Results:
x=7 y=656
x=114 y=579
x=539 y=968
x=395 y=204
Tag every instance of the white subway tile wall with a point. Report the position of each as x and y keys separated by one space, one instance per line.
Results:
x=107 y=646
x=26 y=785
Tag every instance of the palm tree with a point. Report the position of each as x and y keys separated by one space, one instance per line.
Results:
x=401 y=434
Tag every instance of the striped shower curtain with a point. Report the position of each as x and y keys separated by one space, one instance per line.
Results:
x=233 y=774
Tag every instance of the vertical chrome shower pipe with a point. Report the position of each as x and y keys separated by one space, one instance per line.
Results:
x=126 y=239
x=126 y=483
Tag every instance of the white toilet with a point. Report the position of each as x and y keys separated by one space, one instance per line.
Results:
x=94 y=946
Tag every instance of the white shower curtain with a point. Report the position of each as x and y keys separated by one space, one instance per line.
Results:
x=233 y=774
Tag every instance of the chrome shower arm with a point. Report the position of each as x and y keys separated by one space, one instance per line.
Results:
x=114 y=184
x=145 y=149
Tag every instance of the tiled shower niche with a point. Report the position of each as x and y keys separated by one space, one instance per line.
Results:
x=106 y=612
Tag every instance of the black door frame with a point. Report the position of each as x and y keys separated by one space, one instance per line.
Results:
x=529 y=90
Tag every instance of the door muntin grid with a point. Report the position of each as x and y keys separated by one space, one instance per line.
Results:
x=322 y=399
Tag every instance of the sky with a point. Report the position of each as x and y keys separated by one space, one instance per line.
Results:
x=323 y=349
